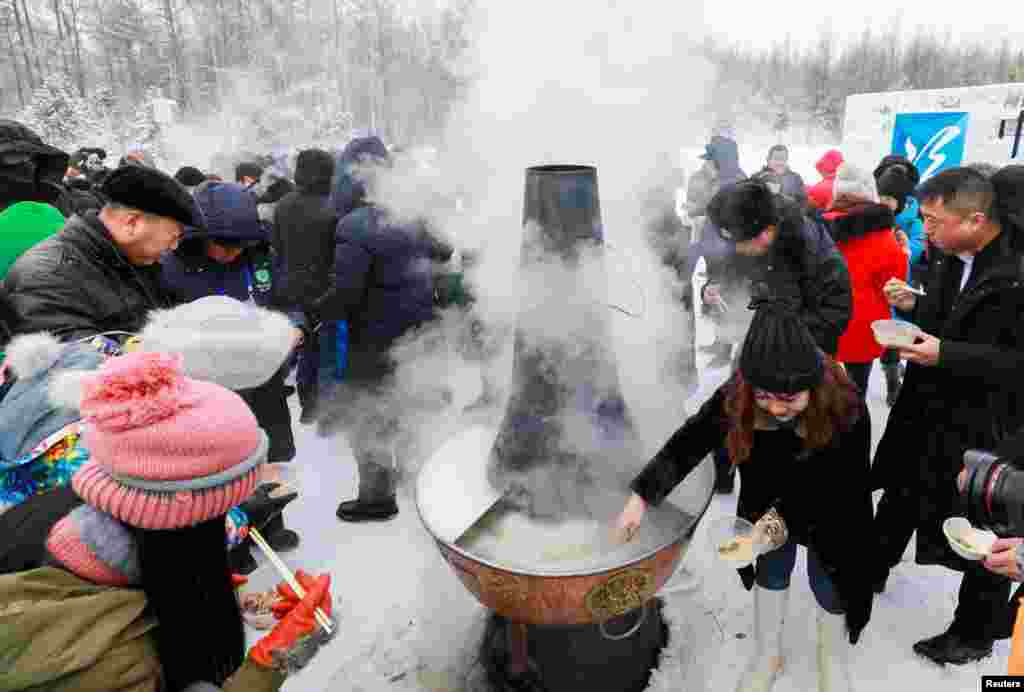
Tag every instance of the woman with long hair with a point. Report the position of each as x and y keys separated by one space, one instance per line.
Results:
x=799 y=434
x=132 y=590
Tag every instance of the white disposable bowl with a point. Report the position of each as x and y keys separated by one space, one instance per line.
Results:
x=893 y=333
x=958 y=527
x=728 y=528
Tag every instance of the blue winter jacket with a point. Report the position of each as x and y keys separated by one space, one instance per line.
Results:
x=383 y=278
x=348 y=192
x=231 y=215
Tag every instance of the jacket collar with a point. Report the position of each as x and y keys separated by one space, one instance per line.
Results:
x=859 y=221
x=88 y=233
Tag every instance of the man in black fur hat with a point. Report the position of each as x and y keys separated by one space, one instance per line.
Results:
x=100 y=272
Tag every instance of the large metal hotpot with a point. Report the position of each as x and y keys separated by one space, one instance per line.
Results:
x=585 y=589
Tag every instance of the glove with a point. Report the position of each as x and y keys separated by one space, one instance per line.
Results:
x=261 y=508
x=298 y=636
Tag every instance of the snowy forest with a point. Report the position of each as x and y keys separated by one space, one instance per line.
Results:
x=309 y=71
x=79 y=71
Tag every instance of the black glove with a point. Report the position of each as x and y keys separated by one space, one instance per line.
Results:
x=261 y=508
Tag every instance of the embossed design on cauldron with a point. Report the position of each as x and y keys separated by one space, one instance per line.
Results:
x=620 y=594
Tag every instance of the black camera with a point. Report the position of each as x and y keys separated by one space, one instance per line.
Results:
x=994 y=492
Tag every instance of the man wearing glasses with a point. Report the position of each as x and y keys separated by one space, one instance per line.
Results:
x=963 y=390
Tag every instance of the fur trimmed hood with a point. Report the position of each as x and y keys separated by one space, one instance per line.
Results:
x=860 y=220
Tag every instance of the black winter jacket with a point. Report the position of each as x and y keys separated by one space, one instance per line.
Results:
x=824 y=496
x=974 y=397
x=302 y=238
x=77 y=284
x=804 y=269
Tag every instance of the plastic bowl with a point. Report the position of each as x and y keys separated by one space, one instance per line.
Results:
x=978 y=544
x=893 y=333
x=727 y=537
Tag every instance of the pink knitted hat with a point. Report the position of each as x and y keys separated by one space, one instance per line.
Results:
x=167 y=451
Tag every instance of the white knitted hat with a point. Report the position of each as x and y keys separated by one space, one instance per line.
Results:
x=853 y=186
x=236 y=345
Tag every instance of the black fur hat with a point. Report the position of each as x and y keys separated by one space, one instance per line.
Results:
x=153 y=192
x=743 y=210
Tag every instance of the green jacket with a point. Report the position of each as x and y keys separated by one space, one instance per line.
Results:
x=60 y=633
x=22 y=225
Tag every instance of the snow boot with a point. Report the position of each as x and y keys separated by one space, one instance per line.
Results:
x=833 y=653
x=362 y=510
x=766 y=664
x=951 y=647
x=893 y=381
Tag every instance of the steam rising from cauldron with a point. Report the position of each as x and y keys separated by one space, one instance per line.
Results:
x=566 y=426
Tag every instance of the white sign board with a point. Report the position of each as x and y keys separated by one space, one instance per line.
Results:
x=938 y=128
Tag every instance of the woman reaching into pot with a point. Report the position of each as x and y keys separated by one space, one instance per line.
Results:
x=799 y=434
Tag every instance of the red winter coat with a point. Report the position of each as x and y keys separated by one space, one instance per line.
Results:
x=867 y=241
x=820 y=194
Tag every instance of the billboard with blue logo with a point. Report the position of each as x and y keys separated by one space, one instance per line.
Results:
x=933 y=141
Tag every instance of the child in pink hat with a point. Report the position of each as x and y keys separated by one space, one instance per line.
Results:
x=136 y=583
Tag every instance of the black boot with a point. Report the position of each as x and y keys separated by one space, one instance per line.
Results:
x=950 y=647
x=893 y=381
x=362 y=510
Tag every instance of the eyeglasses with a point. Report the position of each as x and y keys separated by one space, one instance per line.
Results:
x=762 y=395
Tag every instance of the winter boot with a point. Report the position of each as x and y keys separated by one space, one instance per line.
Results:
x=893 y=381
x=766 y=664
x=376 y=501
x=834 y=650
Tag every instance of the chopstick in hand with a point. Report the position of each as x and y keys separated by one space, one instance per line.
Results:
x=287 y=575
x=915 y=291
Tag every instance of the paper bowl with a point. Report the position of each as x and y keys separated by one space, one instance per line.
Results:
x=724 y=531
x=958 y=528
x=893 y=333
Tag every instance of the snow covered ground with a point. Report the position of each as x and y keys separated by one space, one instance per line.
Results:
x=406 y=623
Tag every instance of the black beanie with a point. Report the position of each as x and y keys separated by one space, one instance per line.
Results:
x=779 y=354
x=902 y=163
x=190 y=176
x=894 y=182
x=743 y=210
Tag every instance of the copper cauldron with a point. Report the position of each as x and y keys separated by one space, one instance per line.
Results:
x=587 y=589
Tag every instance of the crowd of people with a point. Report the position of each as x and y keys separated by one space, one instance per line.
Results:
x=131 y=471
x=818 y=265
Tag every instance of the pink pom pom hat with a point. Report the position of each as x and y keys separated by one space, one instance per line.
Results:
x=167 y=452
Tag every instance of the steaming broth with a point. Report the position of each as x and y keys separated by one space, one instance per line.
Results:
x=507 y=537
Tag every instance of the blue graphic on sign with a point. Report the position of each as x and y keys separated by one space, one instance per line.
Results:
x=933 y=141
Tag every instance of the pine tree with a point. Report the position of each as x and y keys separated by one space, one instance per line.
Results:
x=62 y=118
x=146 y=130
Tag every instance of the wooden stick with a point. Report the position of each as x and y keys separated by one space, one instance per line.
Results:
x=287 y=575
